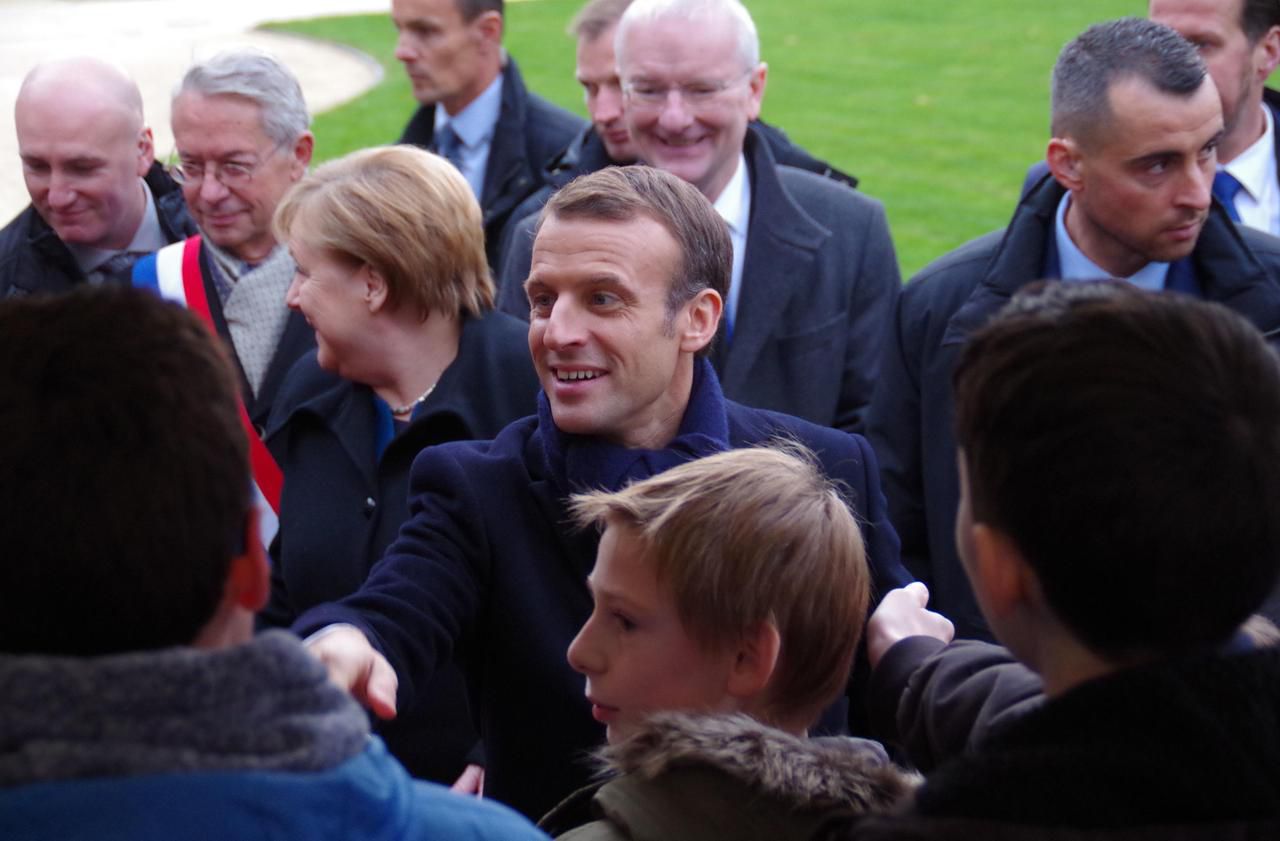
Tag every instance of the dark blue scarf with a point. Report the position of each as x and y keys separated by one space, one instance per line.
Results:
x=583 y=462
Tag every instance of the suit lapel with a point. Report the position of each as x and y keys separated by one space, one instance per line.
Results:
x=782 y=245
x=506 y=180
x=296 y=340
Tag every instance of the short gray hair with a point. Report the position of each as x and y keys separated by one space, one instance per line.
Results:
x=718 y=13
x=258 y=77
x=1106 y=53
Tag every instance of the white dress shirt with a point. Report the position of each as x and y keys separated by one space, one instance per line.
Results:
x=1074 y=265
x=1258 y=201
x=734 y=206
x=474 y=127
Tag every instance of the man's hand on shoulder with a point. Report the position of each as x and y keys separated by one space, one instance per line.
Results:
x=902 y=614
x=357 y=667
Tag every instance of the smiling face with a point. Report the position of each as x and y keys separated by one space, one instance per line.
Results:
x=696 y=137
x=1141 y=182
x=331 y=294
x=611 y=360
x=82 y=158
x=217 y=130
x=635 y=652
x=448 y=60
x=598 y=74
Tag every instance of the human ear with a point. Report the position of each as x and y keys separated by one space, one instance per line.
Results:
x=755 y=660
x=1063 y=157
x=488 y=26
x=249 y=579
x=1000 y=572
x=1267 y=53
x=375 y=288
x=700 y=319
x=303 y=148
x=759 y=75
x=146 y=151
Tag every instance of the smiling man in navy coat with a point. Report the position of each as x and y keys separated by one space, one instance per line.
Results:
x=814 y=272
x=629 y=267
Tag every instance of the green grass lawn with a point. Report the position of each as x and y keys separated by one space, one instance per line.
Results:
x=938 y=107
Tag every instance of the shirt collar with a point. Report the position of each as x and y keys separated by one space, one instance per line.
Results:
x=474 y=124
x=734 y=202
x=1074 y=265
x=149 y=237
x=1256 y=164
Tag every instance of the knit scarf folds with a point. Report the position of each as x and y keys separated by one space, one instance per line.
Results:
x=266 y=705
x=583 y=462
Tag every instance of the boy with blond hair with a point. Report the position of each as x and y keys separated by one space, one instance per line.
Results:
x=729 y=596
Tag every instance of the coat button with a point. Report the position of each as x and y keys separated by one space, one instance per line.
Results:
x=369 y=505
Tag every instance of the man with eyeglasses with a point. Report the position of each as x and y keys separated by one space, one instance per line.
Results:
x=240 y=126
x=606 y=142
x=814 y=276
x=98 y=198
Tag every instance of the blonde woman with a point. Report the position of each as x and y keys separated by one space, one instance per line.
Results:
x=392 y=275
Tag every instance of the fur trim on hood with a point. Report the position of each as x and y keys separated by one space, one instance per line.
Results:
x=807 y=774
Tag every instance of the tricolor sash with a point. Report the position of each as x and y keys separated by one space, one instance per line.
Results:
x=173 y=272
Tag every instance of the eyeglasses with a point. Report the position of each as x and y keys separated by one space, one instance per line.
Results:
x=699 y=94
x=231 y=174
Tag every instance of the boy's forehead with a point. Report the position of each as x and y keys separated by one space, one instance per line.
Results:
x=624 y=562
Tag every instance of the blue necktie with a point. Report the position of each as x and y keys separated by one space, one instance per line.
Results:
x=1225 y=187
x=448 y=146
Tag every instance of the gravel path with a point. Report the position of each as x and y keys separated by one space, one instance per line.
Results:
x=155 y=40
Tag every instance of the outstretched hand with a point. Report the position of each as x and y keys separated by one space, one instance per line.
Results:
x=902 y=614
x=357 y=667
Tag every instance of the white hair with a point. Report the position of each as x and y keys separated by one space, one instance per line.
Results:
x=714 y=14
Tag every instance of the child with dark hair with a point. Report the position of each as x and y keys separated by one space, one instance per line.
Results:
x=1119 y=457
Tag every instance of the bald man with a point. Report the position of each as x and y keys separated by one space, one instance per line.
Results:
x=98 y=198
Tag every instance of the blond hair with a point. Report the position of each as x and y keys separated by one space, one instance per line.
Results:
x=748 y=536
x=409 y=215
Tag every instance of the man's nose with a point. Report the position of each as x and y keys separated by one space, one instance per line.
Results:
x=564 y=326
x=61 y=191
x=211 y=189
x=608 y=104
x=405 y=50
x=676 y=113
x=1197 y=186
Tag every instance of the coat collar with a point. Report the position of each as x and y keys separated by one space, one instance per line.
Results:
x=782 y=248
x=811 y=781
x=1227 y=268
x=171 y=211
x=508 y=177
x=585 y=153
x=582 y=462
x=347 y=408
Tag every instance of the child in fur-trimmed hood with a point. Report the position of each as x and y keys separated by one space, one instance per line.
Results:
x=730 y=594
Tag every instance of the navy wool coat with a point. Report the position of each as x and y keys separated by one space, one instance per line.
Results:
x=486 y=570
